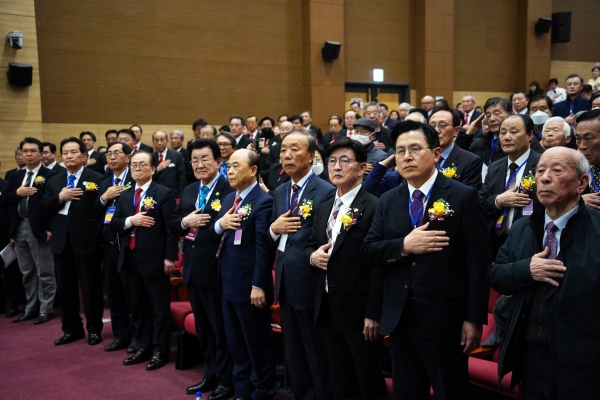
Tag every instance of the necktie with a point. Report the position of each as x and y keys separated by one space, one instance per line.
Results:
x=236 y=203
x=160 y=158
x=350 y=133
x=513 y=167
x=438 y=164
x=138 y=195
x=294 y=202
x=416 y=207
x=504 y=228
x=466 y=119
x=117 y=181
x=551 y=241
x=71 y=181
x=333 y=138
x=336 y=209
x=281 y=171
x=223 y=169
x=596 y=173
x=202 y=198
x=23 y=202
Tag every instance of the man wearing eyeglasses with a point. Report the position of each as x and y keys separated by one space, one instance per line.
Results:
x=428 y=249
x=227 y=146
x=148 y=254
x=344 y=308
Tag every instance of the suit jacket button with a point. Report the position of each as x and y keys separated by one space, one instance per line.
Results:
x=193 y=246
x=405 y=286
x=414 y=264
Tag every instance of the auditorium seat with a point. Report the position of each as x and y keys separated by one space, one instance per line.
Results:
x=179 y=311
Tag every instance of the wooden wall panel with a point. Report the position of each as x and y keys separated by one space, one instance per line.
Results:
x=168 y=63
x=584 y=44
x=485 y=43
x=561 y=69
x=480 y=97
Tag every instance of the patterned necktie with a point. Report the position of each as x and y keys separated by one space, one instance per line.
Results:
x=294 y=202
x=416 y=207
x=138 y=195
x=438 y=164
x=223 y=169
x=160 y=158
x=551 y=241
x=236 y=203
x=71 y=181
x=596 y=175
x=117 y=181
x=202 y=198
x=23 y=212
x=336 y=209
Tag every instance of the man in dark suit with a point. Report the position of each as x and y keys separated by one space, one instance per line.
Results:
x=341 y=290
x=275 y=143
x=548 y=265
x=383 y=177
x=468 y=108
x=503 y=196
x=236 y=126
x=294 y=203
x=111 y=187
x=176 y=140
x=275 y=177
x=138 y=145
x=148 y=254
x=306 y=116
x=428 y=269
x=29 y=227
x=587 y=136
x=49 y=158
x=94 y=160
x=170 y=170
x=336 y=130
x=68 y=200
x=246 y=260
x=382 y=138
x=199 y=205
x=20 y=165
x=575 y=102
x=12 y=279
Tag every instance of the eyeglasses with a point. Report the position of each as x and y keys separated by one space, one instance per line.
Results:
x=343 y=160
x=413 y=151
x=140 y=166
x=115 y=153
x=224 y=145
x=203 y=161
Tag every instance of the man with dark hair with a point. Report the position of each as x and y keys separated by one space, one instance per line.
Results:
x=381 y=139
x=236 y=126
x=587 y=136
x=138 y=145
x=198 y=207
x=427 y=248
x=20 y=165
x=170 y=170
x=49 y=157
x=336 y=130
x=290 y=229
x=29 y=228
x=344 y=308
x=307 y=123
x=111 y=137
x=109 y=194
x=227 y=146
x=148 y=254
x=503 y=196
x=540 y=109
x=275 y=175
x=355 y=106
x=69 y=201
x=246 y=282
x=94 y=159
x=555 y=93
x=574 y=102
x=296 y=119
x=128 y=137
x=197 y=126
x=519 y=102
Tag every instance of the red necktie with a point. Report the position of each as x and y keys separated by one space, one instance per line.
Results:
x=138 y=195
x=160 y=158
x=236 y=203
x=466 y=119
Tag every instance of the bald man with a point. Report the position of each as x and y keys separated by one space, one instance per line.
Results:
x=427 y=103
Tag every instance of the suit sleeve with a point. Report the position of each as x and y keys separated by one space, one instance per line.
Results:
x=376 y=250
x=488 y=201
x=9 y=197
x=472 y=174
x=313 y=242
x=98 y=208
x=372 y=184
x=181 y=175
x=50 y=203
x=464 y=141
x=117 y=223
x=178 y=216
x=171 y=250
x=264 y=252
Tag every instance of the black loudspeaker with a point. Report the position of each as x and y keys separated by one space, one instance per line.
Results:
x=19 y=74
x=543 y=25
x=561 y=27
x=331 y=50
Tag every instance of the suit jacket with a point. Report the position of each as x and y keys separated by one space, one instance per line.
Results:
x=468 y=167
x=381 y=179
x=385 y=136
x=199 y=261
x=449 y=286
x=271 y=178
x=290 y=265
x=348 y=277
x=80 y=225
x=174 y=176
x=243 y=143
x=98 y=166
x=563 y=108
x=58 y=168
x=4 y=217
x=250 y=263
x=317 y=131
x=100 y=209
x=482 y=146
x=328 y=137
x=10 y=174
x=145 y=147
x=155 y=244
x=38 y=220
x=274 y=151
x=494 y=184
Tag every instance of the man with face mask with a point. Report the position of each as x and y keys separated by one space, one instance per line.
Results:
x=364 y=131
x=540 y=108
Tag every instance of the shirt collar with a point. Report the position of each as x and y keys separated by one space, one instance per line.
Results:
x=447 y=152
x=301 y=181
x=561 y=222
x=50 y=166
x=90 y=152
x=210 y=184
x=519 y=160
x=348 y=197
x=35 y=170
x=424 y=187
x=164 y=153
x=122 y=176
x=145 y=186
x=245 y=192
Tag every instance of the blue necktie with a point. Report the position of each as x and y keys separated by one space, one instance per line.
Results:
x=202 y=198
x=71 y=181
x=223 y=169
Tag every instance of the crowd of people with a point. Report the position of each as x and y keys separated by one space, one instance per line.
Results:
x=389 y=223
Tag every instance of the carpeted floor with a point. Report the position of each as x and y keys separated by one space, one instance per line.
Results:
x=32 y=367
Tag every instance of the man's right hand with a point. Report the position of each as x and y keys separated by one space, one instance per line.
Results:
x=475 y=125
x=543 y=270
x=421 y=241
x=592 y=200
x=111 y=193
x=26 y=191
x=230 y=221
x=68 y=194
x=319 y=258
x=511 y=198
x=196 y=220
x=141 y=219
x=286 y=224
x=163 y=165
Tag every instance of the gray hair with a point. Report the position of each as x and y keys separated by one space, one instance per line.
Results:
x=17 y=150
x=566 y=127
x=421 y=117
x=370 y=104
x=582 y=165
x=311 y=136
x=209 y=126
x=471 y=96
x=177 y=132
x=406 y=105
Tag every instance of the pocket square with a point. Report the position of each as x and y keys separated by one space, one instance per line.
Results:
x=171 y=165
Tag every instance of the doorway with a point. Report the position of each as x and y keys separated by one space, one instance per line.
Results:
x=391 y=94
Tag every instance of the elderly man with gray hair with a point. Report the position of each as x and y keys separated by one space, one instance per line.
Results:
x=549 y=265
x=382 y=139
x=555 y=132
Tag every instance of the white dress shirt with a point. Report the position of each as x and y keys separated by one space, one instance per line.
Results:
x=51 y=165
x=557 y=95
x=243 y=194
x=144 y=187
x=518 y=161
x=67 y=205
x=424 y=189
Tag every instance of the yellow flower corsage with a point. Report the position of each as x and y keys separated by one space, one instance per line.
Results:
x=349 y=218
x=305 y=208
x=527 y=183
x=148 y=203
x=216 y=205
x=440 y=210
x=39 y=180
x=450 y=172
x=89 y=186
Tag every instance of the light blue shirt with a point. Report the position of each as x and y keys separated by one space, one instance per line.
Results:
x=243 y=194
x=561 y=223
x=445 y=154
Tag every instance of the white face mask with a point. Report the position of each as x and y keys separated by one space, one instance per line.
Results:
x=318 y=168
x=364 y=140
x=539 y=117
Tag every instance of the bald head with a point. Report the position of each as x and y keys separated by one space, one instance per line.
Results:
x=427 y=103
x=404 y=110
x=159 y=139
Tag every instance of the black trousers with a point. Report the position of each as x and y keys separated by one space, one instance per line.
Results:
x=355 y=365
x=12 y=286
x=418 y=362
x=150 y=307
x=539 y=373
x=305 y=351
x=73 y=271
x=210 y=328
x=117 y=291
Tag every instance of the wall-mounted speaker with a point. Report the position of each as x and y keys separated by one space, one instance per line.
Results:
x=331 y=50
x=543 y=26
x=561 y=27
x=19 y=74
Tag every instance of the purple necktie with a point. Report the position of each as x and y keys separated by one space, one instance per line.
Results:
x=417 y=207
x=551 y=241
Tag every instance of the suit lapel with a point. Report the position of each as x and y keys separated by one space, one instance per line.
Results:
x=357 y=207
x=453 y=157
x=151 y=192
x=441 y=190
